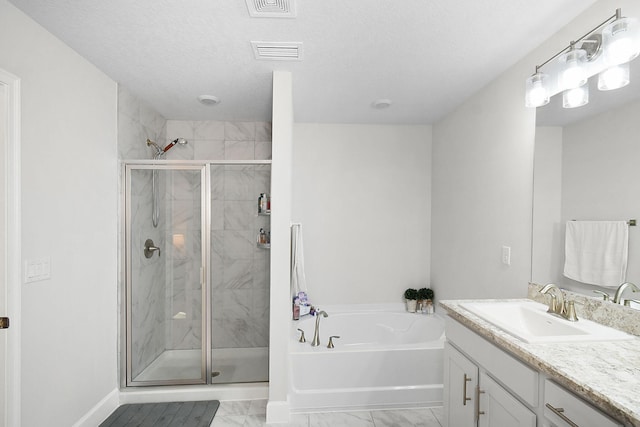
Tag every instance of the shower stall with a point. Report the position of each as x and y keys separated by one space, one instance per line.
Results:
x=197 y=272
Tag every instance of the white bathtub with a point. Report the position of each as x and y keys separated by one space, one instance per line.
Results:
x=384 y=358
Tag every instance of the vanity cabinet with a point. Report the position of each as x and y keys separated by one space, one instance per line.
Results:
x=563 y=409
x=485 y=386
x=473 y=398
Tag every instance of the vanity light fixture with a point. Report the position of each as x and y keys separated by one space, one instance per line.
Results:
x=605 y=50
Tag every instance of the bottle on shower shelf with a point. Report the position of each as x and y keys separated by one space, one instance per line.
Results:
x=263 y=204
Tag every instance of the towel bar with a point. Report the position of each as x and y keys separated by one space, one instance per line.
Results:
x=631 y=222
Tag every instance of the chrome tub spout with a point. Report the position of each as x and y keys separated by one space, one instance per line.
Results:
x=316 y=334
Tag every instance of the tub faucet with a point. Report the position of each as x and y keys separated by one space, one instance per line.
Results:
x=316 y=334
x=617 y=298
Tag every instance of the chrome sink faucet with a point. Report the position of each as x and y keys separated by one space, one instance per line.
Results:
x=617 y=298
x=555 y=306
x=316 y=334
x=558 y=305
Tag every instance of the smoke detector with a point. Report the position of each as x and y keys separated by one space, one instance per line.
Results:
x=271 y=8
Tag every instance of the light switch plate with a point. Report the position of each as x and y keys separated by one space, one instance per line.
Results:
x=37 y=269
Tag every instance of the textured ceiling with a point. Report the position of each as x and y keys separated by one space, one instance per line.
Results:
x=427 y=56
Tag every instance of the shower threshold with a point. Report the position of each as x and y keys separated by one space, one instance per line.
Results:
x=234 y=365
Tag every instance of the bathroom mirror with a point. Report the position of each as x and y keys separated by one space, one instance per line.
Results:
x=586 y=168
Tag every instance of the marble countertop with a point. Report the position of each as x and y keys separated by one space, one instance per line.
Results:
x=607 y=373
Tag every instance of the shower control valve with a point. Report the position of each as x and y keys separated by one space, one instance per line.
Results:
x=150 y=248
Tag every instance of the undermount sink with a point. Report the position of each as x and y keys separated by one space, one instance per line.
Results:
x=530 y=322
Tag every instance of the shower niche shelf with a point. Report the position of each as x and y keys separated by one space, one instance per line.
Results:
x=265 y=213
x=264 y=245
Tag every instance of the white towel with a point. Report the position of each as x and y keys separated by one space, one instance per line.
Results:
x=298 y=280
x=596 y=252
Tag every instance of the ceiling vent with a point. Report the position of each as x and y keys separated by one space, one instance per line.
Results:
x=278 y=51
x=271 y=8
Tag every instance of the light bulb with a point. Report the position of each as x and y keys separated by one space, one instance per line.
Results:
x=537 y=92
x=621 y=41
x=574 y=74
x=576 y=97
x=614 y=77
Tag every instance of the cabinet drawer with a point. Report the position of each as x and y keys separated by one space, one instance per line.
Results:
x=572 y=408
x=515 y=375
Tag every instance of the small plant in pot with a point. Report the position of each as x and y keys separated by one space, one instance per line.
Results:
x=425 y=297
x=411 y=295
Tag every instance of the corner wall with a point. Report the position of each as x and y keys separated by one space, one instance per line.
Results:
x=482 y=192
x=69 y=213
x=363 y=196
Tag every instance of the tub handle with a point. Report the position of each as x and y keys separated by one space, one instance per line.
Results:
x=302 y=338
x=465 y=399
x=330 y=345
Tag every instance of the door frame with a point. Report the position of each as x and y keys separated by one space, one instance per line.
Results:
x=13 y=245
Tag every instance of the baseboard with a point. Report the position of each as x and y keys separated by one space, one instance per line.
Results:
x=278 y=412
x=101 y=410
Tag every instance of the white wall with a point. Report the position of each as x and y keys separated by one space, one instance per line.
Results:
x=280 y=304
x=482 y=193
x=69 y=207
x=548 y=239
x=362 y=193
x=600 y=174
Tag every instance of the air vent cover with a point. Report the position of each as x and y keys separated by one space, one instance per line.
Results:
x=271 y=8
x=278 y=51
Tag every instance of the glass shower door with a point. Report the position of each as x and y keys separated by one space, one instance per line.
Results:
x=165 y=290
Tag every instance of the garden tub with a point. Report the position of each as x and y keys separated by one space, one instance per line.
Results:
x=384 y=358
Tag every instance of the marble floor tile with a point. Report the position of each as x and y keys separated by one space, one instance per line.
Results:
x=253 y=414
x=234 y=407
x=422 y=417
x=438 y=411
x=341 y=419
x=228 y=420
x=258 y=407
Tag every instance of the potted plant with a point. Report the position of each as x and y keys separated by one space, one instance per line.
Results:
x=425 y=300
x=424 y=295
x=411 y=295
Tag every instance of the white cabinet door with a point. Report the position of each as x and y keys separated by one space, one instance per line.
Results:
x=498 y=408
x=460 y=382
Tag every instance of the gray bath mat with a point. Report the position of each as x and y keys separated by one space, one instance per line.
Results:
x=171 y=414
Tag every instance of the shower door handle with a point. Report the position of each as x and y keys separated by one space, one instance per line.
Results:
x=150 y=248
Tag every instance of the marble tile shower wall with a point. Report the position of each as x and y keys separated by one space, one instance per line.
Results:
x=183 y=234
x=240 y=270
x=136 y=123
x=240 y=294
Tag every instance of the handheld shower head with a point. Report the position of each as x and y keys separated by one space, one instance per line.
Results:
x=180 y=141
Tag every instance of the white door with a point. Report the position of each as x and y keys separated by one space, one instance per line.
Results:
x=9 y=250
x=3 y=239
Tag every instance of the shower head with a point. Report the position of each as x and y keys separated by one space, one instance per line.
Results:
x=159 y=151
